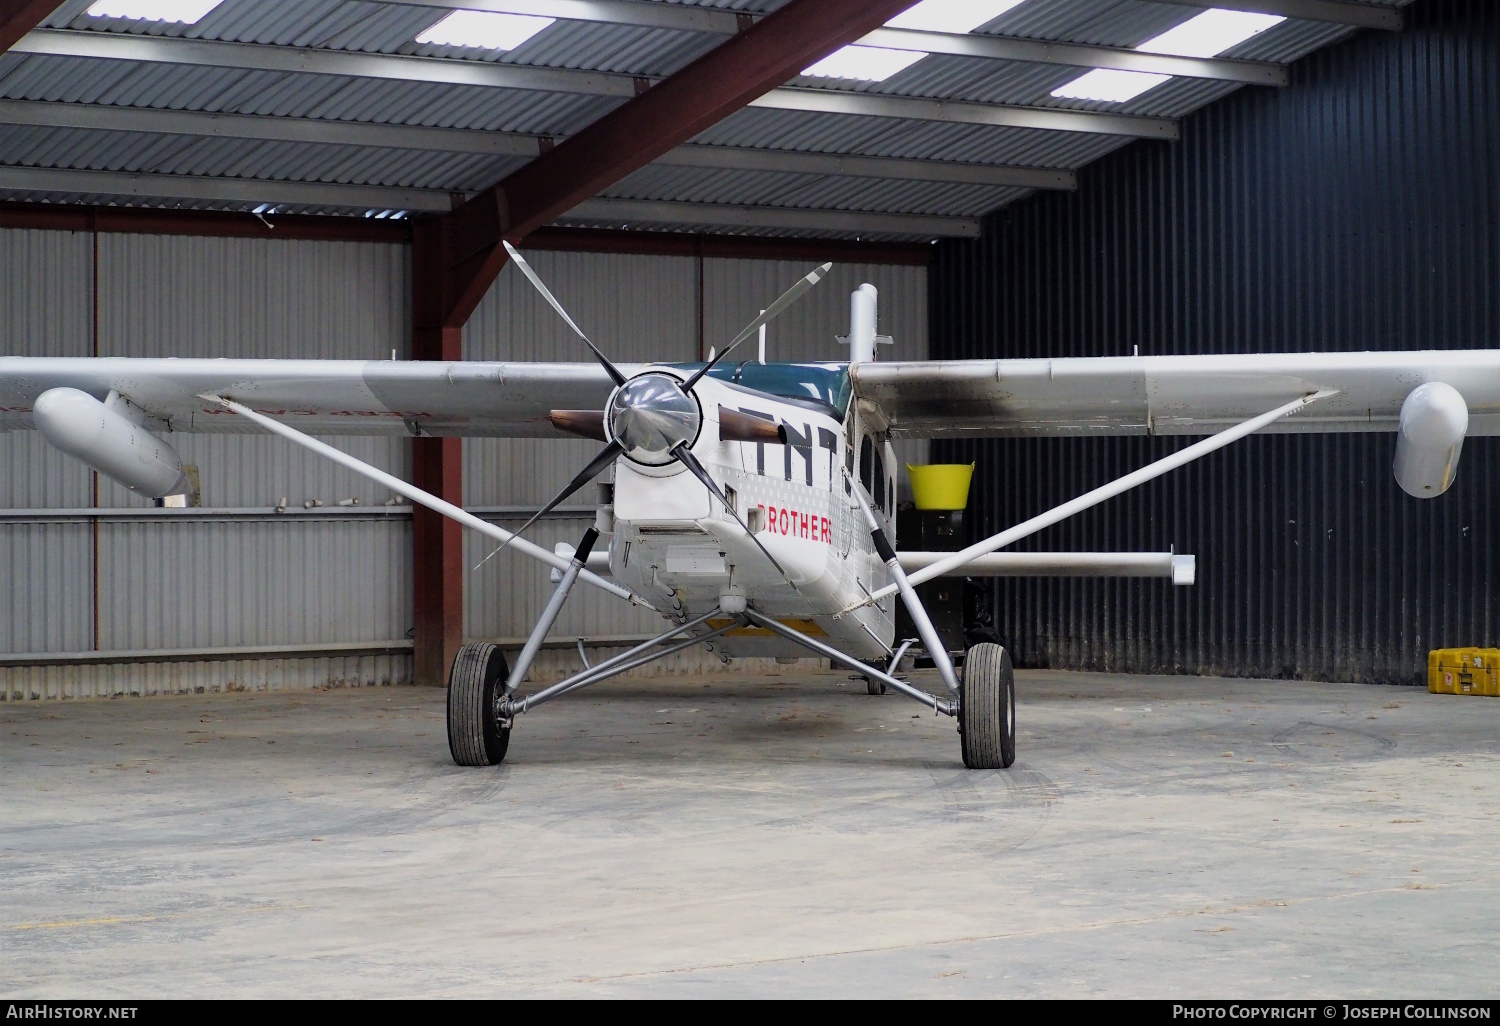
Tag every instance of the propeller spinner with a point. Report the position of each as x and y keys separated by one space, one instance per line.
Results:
x=650 y=416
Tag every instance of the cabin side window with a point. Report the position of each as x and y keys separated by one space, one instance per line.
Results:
x=867 y=464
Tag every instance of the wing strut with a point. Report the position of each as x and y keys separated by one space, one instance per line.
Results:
x=427 y=499
x=1139 y=477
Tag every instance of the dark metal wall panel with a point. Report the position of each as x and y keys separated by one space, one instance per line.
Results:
x=1354 y=210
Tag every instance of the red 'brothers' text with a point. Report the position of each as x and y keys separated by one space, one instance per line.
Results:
x=797 y=525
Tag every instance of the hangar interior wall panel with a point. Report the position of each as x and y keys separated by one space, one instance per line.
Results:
x=46 y=309
x=1354 y=210
x=46 y=597
x=215 y=585
x=258 y=299
x=194 y=585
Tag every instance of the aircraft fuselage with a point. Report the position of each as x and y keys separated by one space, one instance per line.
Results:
x=674 y=544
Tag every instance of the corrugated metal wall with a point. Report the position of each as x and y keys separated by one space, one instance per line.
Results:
x=1354 y=210
x=191 y=585
x=340 y=581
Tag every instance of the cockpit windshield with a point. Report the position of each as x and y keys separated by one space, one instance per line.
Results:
x=822 y=386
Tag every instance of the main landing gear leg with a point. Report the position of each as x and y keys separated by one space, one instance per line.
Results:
x=480 y=711
x=478 y=728
x=987 y=693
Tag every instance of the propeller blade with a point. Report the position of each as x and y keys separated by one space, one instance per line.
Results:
x=531 y=276
x=606 y=456
x=786 y=299
x=687 y=459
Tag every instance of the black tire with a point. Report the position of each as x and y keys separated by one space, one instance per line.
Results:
x=476 y=735
x=987 y=708
x=874 y=686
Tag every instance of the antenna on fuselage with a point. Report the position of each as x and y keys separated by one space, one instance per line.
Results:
x=762 y=341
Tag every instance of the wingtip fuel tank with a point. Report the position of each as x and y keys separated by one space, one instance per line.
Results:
x=1434 y=420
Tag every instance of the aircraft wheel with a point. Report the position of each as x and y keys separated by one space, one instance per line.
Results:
x=874 y=687
x=987 y=708
x=476 y=735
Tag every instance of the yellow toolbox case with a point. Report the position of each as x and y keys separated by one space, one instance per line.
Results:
x=1464 y=671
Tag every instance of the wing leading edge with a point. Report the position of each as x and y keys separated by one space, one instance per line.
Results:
x=321 y=396
x=1178 y=395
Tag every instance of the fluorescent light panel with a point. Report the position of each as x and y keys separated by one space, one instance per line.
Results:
x=484 y=30
x=1210 y=33
x=1205 y=35
x=864 y=63
x=951 y=15
x=876 y=63
x=1109 y=86
x=188 y=12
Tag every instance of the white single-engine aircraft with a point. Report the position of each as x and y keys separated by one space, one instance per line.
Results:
x=753 y=503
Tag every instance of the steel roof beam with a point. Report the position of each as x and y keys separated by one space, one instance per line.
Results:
x=1335 y=12
x=740 y=158
x=202 y=124
x=1049 y=119
x=206 y=124
x=1036 y=51
x=258 y=57
x=323 y=194
x=18 y=17
x=680 y=17
x=255 y=57
x=221 y=190
x=731 y=216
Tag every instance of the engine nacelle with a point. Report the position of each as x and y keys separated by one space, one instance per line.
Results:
x=1434 y=418
x=108 y=441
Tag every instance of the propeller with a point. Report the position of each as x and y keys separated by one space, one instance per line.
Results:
x=605 y=457
x=653 y=418
x=786 y=299
x=531 y=276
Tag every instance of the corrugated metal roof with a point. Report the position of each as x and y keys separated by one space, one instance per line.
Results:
x=390 y=28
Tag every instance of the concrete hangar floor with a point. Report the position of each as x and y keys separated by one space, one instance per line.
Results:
x=1161 y=837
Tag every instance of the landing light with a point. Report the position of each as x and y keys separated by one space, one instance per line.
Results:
x=484 y=30
x=1206 y=35
x=187 y=12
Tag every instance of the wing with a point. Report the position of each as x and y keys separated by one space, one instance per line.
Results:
x=322 y=396
x=1182 y=395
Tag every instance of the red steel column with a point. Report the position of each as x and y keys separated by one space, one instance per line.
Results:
x=437 y=467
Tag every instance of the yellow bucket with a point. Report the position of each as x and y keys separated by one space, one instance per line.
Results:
x=941 y=485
